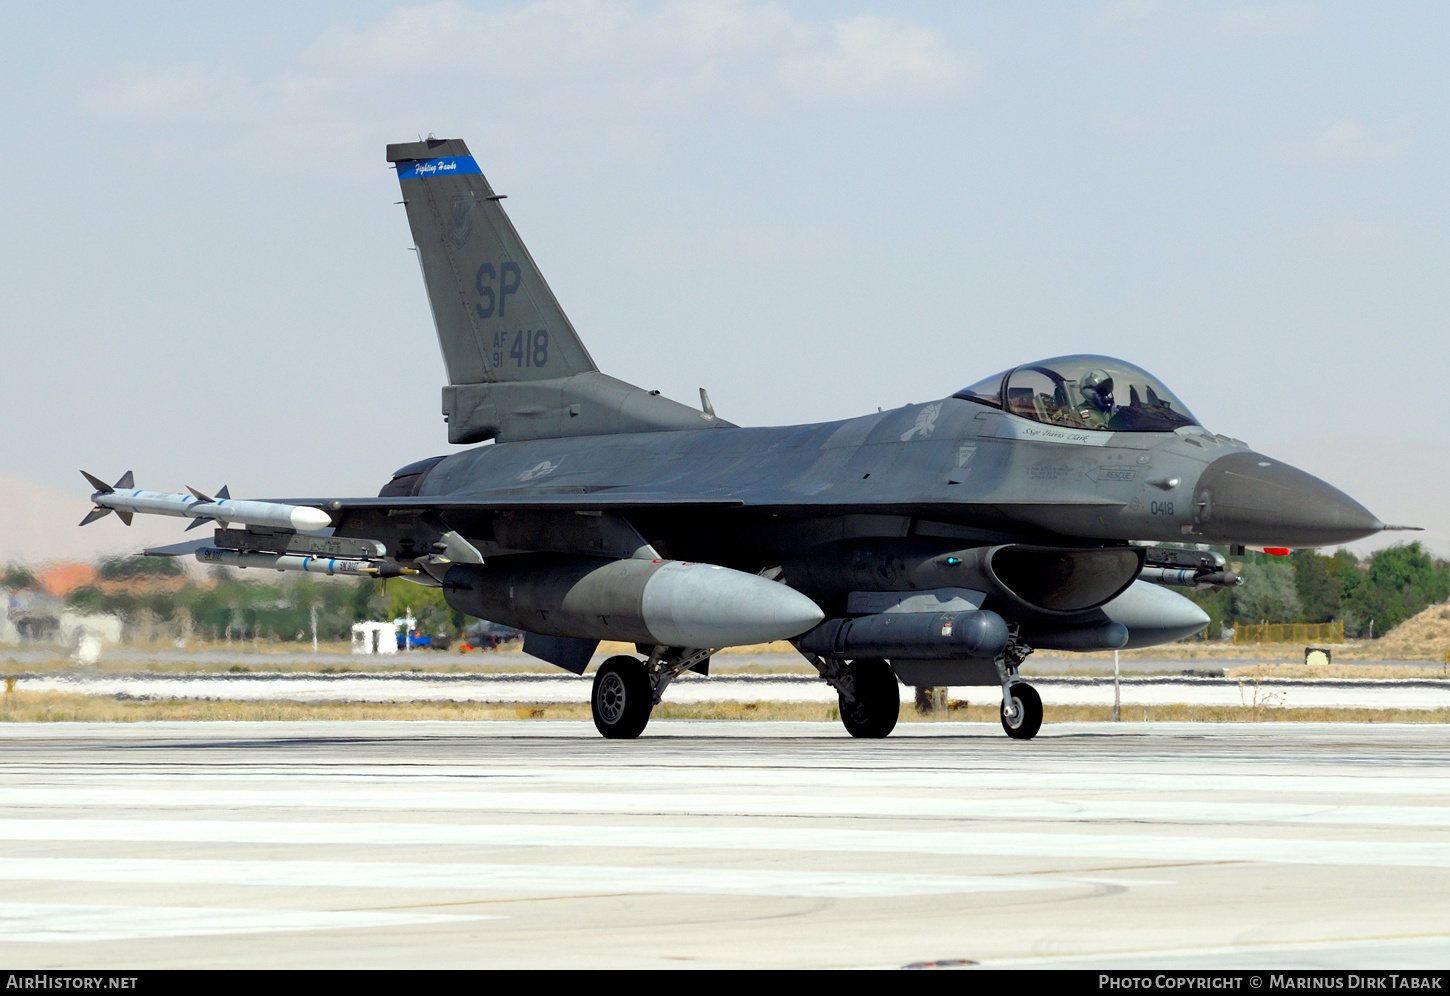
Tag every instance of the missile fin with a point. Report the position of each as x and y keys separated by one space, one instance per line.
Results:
x=94 y=514
x=97 y=483
x=201 y=520
x=200 y=496
x=126 y=481
x=223 y=494
x=125 y=515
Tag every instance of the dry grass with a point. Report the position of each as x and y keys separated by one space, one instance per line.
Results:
x=55 y=707
x=1428 y=632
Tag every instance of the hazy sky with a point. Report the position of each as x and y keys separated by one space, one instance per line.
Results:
x=812 y=209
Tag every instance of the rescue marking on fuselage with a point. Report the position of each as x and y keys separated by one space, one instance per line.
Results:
x=541 y=469
x=925 y=422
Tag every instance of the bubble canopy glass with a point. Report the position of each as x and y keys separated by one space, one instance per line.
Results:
x=1084 y=392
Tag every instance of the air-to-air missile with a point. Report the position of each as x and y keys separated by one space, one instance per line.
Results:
x=125 y=500
x=294 y=562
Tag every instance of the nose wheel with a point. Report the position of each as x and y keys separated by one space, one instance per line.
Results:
x=1021 y=711
x=622 y=698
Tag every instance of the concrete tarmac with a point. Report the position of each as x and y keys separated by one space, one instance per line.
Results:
x=561 y=687
x=538 y=844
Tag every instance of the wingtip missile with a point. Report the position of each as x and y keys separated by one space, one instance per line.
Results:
x=125 y=501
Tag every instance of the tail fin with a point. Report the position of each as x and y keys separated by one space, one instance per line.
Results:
x=516 y=367
x=497 y=319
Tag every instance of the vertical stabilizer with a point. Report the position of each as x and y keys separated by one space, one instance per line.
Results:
x=516 y=367
x=497 y=319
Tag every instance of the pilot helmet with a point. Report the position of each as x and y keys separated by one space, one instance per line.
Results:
x=1097 y=389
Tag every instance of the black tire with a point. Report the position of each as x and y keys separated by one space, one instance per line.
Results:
x=622 y=698
x=1029 y=712
x=878 y=700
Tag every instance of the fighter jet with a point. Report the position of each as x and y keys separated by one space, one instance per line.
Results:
x=1047 y=506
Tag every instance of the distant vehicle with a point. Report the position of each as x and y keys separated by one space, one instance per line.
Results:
x=489 y=634
x=413 y=640
x=939 y=543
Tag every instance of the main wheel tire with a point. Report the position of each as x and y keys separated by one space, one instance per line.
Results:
x=1028 y=719
x=622 y=698
x=877 y=703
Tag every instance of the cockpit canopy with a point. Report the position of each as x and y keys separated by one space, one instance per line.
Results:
x=1084 y=392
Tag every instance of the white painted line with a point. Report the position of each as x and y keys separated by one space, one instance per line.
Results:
x=577 y=880
x=396 y=797
x=1112 y=846
x=63 y=923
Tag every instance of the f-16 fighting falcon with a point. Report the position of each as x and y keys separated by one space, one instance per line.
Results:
x=936 y=544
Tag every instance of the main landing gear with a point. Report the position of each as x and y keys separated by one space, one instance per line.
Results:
x=621 y=700
x=627 y=689
x=868 y=693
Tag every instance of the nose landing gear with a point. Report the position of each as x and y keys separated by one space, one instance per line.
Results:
x=1021 y=705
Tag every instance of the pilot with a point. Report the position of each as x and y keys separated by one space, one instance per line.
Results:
x=1097 y=394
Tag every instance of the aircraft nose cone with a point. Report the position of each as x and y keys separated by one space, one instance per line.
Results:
x=1251 y=498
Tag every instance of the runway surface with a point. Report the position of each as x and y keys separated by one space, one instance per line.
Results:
x=1135 y=690
x=723 y=844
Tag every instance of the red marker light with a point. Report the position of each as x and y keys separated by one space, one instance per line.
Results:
x=1277 y=551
